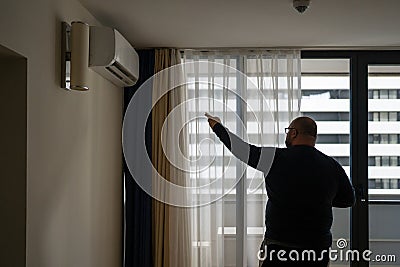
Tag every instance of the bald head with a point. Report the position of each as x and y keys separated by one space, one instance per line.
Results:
x=303 y=131
x=305 y=126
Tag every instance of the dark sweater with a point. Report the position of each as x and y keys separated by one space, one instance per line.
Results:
x=302 y=183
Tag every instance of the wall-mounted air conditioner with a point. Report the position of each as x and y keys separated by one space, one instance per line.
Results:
x=112 y=56
x=102 y=49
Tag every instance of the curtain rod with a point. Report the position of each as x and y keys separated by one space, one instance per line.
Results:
x=227 y=49
x=303 y=48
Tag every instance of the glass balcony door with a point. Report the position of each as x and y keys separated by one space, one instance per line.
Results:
x=326 y=99
x=384 y=163
x=374 y=154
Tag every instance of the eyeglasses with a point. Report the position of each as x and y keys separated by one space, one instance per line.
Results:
x=288 y=129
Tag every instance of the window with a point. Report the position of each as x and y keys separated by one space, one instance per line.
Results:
x=383 y=137
x=326 y=98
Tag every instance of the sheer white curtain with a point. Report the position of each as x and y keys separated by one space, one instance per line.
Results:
x=256 y=94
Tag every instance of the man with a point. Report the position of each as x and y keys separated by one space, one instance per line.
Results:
x=303 y=184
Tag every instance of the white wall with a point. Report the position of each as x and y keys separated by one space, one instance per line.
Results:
x=74 y=158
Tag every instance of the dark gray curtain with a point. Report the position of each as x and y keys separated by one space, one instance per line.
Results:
x=138 y=205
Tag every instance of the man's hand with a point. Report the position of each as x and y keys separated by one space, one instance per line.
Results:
x=212 y=120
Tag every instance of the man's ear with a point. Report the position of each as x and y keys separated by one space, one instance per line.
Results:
x=295 y=133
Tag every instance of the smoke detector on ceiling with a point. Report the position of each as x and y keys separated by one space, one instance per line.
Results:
x=301 y=5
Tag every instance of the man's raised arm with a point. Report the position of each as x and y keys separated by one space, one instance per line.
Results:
x=257 y=157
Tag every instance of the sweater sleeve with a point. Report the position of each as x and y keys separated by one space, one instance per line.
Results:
x=257 y=157
x=345 y=196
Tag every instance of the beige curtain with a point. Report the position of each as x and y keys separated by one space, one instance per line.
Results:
x=171 y=225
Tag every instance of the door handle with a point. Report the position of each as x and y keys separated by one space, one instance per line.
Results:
x=361 y=193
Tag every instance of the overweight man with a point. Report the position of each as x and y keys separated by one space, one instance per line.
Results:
x=302 y=184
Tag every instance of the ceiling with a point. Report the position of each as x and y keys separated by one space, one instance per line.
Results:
x=251 y=23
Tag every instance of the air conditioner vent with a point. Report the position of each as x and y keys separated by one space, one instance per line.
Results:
x=119 y=71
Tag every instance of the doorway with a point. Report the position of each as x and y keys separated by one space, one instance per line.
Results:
x=13 y=171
